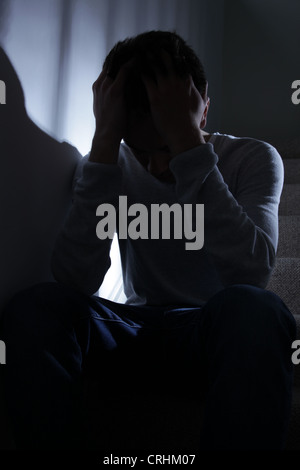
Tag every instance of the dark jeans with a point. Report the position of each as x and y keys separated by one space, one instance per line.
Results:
x=236 y=351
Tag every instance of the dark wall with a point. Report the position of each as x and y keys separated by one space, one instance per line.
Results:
x=208 y=22
x=261 y=59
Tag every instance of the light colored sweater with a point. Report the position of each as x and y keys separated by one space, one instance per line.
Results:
x=239 y=181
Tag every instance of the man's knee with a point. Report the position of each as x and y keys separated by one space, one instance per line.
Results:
x=252 y=308
x=37 y=306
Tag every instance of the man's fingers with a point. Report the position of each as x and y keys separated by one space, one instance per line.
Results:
x=162 y=63
x=155 y=66
x=167 y=61
x=150 y=85
x=124 y=71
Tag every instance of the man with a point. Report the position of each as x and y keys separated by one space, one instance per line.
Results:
x=189 y=313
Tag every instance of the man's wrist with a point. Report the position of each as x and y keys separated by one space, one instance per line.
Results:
x=105 y=149
x=186 y=142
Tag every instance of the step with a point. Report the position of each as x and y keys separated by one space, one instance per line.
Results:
x=290 y=200
x=291 y=170
x=293 y=441
x=289 y=236
x=285 y=282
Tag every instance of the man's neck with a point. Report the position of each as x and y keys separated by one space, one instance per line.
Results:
x=206 y=135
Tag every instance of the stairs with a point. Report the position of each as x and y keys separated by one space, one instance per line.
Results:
x=285 y=280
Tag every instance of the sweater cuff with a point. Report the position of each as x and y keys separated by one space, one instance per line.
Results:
x=99 y=179
x=201 y=160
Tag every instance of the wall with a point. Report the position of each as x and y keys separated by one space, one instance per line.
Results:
x=261 y=59
x=249 y=48
x=58 y=48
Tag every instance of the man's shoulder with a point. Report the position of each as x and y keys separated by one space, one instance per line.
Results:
x=228 y=140
x=245 y=148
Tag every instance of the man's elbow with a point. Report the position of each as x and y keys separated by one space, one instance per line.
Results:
x=254 y=272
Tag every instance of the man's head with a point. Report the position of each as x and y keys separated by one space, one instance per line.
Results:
x=146 y=51
x=145 y=48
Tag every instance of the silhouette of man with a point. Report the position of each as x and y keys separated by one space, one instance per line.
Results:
x=196 y=323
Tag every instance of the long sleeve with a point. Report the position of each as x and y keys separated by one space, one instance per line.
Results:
x=80 y=258
x=241 y=225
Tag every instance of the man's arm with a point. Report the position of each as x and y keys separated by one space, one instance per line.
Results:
x=80 y=259
x=177 y=108
x=240 y=230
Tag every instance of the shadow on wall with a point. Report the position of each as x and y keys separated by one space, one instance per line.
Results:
x=36 y=173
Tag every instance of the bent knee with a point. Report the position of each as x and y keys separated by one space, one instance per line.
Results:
x=253 y=306
x=30 y=297
x=248 y=298
x=37 y=305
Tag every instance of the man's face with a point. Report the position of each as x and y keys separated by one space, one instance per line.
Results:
x=141 y=133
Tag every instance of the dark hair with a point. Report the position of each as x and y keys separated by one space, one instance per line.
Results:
x=146 y=48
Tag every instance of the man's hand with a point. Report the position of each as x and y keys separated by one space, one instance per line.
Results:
x=110 y=114
x=176 y=107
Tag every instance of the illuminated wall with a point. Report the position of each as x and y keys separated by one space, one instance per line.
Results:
x=58 y=46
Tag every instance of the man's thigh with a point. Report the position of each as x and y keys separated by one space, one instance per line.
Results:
x=126 y=347
x=146 y=350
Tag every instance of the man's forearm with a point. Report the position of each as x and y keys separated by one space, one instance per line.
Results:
x=104 y=150
x=80 y=259
x=186 y=140
x=240 y=234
